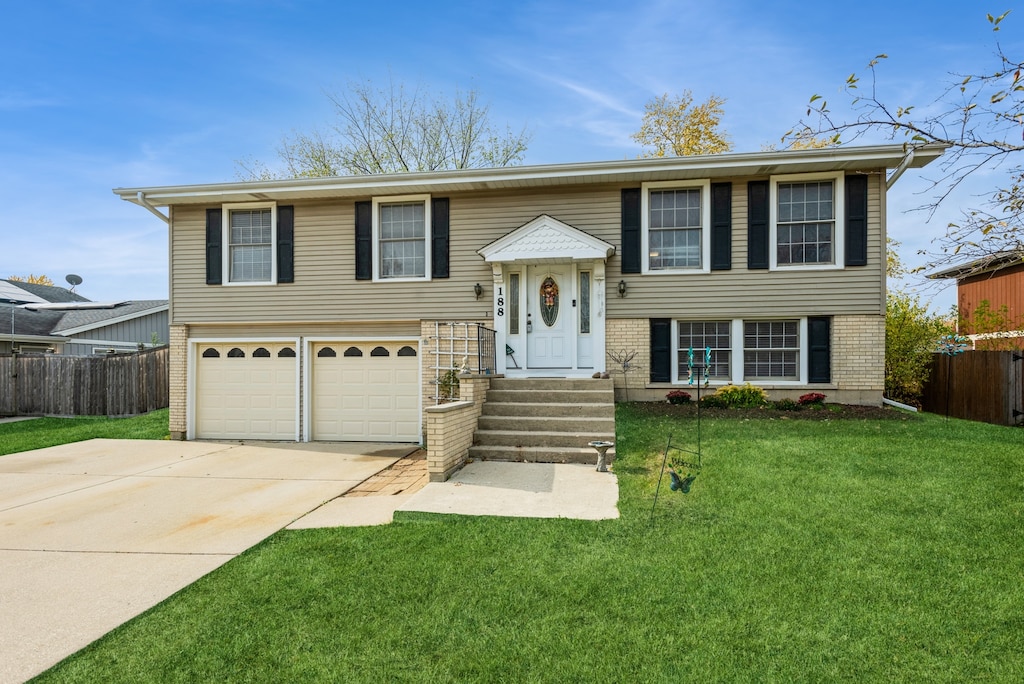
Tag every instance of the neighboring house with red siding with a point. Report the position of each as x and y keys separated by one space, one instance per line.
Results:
x=334 y=308
x=990 y=299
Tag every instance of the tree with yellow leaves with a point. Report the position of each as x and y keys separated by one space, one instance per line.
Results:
x=33 y=279
x=675 y=127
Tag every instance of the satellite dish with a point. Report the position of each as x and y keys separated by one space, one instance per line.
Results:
x=73 y=280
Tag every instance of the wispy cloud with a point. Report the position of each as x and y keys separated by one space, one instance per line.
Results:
x=20 y=101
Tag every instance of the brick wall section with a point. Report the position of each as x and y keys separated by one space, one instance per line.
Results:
x=450 y=427
x=626 y=335
x=858 y=353
x=178 y=386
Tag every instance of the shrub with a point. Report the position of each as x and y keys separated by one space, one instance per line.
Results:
x=678 y=397
x=448 y=386
x=747 y=396
x=787 y=405
x=811 y=398
x=911 y=336
x=714 y=401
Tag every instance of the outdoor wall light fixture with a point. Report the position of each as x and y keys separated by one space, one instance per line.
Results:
x=622 y=288
x=478 y=290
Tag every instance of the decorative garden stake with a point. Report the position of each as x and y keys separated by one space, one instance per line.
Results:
x=679 y=482
x=950 y=346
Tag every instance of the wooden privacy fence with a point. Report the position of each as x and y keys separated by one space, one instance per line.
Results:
x=986 y=386
x=58 y=385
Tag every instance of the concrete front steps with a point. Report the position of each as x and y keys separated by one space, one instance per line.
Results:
x=545 y=420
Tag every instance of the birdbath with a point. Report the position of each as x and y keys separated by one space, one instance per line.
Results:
x=602 y=449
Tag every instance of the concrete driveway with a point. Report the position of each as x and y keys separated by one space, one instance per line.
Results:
x=94 y=533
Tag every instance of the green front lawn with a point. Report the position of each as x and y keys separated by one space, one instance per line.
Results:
x=37 y=433
x=855 y=550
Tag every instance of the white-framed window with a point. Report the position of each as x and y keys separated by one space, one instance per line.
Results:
x=698 y=336
x=250 y=243
x=771 y=350
x=401 y=237
x=806 y=219
x=675 y=226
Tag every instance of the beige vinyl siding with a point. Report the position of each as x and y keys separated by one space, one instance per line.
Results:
x=325 y=288
x=377 y=329
x=763 y=293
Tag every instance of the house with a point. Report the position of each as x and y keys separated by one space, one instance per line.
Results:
x=335 y=308
x=983 y=288
x=44 y=318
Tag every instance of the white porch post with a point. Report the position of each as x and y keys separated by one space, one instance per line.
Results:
x=500 y=309
x=599 y=317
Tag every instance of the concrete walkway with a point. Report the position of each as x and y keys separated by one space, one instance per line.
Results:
x=94 y=533
x=499 y=488
x=524 y=490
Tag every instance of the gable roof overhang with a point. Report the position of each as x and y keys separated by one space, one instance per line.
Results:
x=545 y=239
x=989 y=264
x=74 y=322
x=629 y=171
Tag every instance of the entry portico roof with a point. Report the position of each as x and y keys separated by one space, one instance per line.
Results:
x=546 y=239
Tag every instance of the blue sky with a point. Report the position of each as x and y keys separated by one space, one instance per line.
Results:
x=102 y=94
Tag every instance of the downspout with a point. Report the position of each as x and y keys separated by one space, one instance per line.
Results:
x=904 y=165
x=141 y=199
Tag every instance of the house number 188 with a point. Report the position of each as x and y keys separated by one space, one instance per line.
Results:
x=500 y=301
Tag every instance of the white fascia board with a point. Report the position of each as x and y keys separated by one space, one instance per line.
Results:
x=114 y=321
x=631 y=170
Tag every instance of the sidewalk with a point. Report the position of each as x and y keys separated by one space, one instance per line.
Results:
x=498 y=488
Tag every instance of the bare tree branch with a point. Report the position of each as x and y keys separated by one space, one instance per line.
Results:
x=979 y=117
x=394 y=130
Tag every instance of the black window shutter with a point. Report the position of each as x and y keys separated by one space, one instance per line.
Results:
x=364 y=241
x=819 y=364
x=857 y=220
x=757 y=224
x=721 y=226
x=214 y=231
x=631 y=230
x=661 y=350
x=439 y=237
x=286 y=244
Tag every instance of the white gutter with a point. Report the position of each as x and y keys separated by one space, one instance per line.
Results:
x=517 y=177
x=904 y=165
x=72 y=306
x=141 y=198
x=35 y=338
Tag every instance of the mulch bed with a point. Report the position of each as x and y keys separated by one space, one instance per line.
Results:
x=827 y=412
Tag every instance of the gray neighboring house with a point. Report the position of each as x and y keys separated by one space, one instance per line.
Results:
x=43 y=318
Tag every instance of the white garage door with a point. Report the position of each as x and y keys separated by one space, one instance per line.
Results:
x=366 y=391
x=246 y=391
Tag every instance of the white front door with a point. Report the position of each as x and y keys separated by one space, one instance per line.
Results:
x=551 y=318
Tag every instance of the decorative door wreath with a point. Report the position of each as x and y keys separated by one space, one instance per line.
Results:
x=549 y=301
